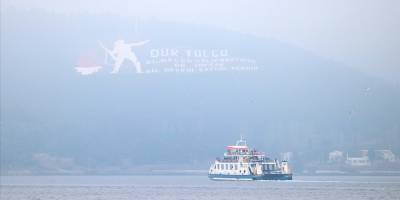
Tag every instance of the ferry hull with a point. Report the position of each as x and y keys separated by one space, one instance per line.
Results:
x=250 y=177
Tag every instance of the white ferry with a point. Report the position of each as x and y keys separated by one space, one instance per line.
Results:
x=242 y=163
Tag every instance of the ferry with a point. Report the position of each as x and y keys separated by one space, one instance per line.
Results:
x=242 y=163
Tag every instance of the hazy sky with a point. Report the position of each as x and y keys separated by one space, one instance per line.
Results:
x=357 y=33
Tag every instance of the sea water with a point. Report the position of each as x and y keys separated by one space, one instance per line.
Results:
x=196 y=187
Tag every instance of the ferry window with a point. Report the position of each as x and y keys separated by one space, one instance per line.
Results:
x=222 y=166
x=231 y=167
x=215 y=166
x=226 y=166
x=236 y=166
x=218 y=166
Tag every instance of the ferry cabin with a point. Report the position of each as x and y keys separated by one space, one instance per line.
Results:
x=248 y=168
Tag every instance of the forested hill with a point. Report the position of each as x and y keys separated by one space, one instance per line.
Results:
x=295 y=101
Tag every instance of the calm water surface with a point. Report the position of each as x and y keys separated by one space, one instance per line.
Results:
x=195 y=187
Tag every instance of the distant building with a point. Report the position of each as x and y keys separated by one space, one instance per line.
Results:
x=335 y=156
x=358 y=161
x=385 y=154
x=363 y=160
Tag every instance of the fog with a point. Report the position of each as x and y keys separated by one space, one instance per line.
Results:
x=64 y=105
x=358 y=33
